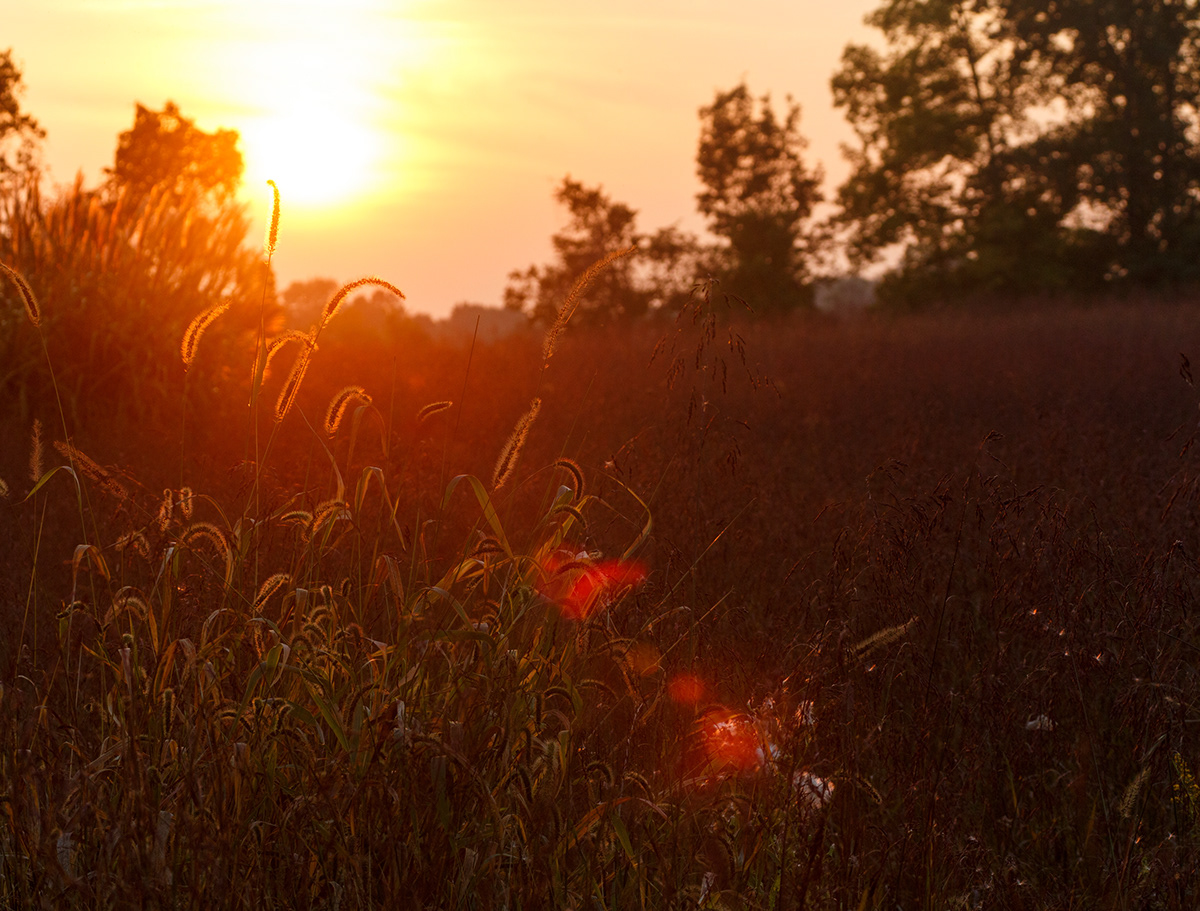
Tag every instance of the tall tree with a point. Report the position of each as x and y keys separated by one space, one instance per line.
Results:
x=627 y=288
x=16 y=126
x=1014 y=145
x=1129 y=70
x=758 y=196
x=168 y=151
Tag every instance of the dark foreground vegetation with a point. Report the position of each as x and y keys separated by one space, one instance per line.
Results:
x=889 y=613
x=649 y=605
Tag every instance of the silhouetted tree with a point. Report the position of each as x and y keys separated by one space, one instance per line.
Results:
x=1128 y=73
x=164 y=149
x=15 y=124
x=758 y=197
x=627 y=288
x=1008 y=145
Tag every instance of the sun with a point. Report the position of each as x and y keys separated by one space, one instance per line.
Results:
x=316 y=84
x=313 y=128
x=317 y=158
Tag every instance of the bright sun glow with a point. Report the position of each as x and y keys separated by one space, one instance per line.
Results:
x=318 y=84
x=329 y=165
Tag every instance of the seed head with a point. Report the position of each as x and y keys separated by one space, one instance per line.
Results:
x=273 y=228
x=191 y=338
x=507 y=463
x=35 y=452
x=568 y=308
x=32 y=310
x=339 y=298
x=431 y=409
x=339 y=403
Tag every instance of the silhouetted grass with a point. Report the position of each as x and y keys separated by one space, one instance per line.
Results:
x=876 y=614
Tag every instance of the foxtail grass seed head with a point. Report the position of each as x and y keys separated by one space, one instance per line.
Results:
x=206 y=532
x=135 y=541
x=166 y=510
x=1132 y=790
x=328 y=512
x=287 y=395
x=36 y=453
x=276 y=344
x=270 y=587
x=581 y=285
x=273 y=227
x=339 y=403
x=187 y=502
x=431 y=409
x=127 y=602
x=191 y=338
x=569 y=510
x=572 y=468
x=3 y=489
x=506 y=464
x=90 y=469
x=297 y=517
x=881 y=638
x=343 y=292
x=32 y=310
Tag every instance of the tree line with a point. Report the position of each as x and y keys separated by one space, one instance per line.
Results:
x=1002 y=147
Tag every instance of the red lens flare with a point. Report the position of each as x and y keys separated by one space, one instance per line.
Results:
x=733 y=744
x=579 y=587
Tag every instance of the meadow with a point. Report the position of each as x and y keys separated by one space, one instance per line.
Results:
x=887 y=612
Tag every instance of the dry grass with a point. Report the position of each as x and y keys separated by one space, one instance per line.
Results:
x=896 y=613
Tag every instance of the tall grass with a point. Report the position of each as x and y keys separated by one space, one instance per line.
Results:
x=298 y=702
x=891 y=614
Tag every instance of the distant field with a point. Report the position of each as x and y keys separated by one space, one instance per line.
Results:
x=946 y=563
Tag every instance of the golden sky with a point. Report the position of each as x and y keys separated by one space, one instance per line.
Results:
x=420 y=140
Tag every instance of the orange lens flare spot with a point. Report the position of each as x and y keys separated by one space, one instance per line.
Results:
x=732 y=744
x=686 y=689
x=579 y=587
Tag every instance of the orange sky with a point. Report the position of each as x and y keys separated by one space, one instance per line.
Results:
x=421 y=139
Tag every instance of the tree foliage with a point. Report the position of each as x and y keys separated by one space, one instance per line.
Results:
x=1011 y=145
x=758 y=197
x=1129 y=70
x=16 y=126
x=167 y=150
x=656 y=275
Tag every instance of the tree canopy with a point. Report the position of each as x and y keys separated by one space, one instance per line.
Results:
x=627 y=288
x=15 y=124
x=166 y=150
x=758 y=197
x=1011 y=145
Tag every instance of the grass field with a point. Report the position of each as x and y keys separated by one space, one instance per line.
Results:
x=896 y=612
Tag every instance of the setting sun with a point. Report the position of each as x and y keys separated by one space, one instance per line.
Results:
x=322 y=168
x=318 y=86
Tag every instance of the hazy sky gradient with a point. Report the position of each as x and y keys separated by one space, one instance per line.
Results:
x=447 y=123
